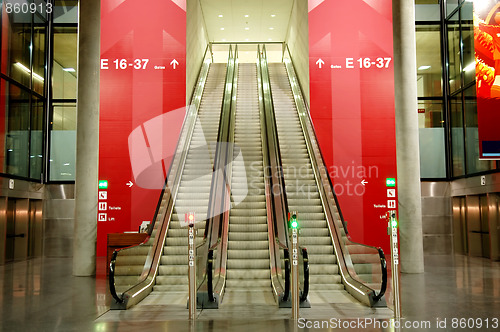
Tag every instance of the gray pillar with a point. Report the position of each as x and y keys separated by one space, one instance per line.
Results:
x=87 y=140
x=408 y=159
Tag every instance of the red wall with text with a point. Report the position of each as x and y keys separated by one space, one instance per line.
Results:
x=352 y=107
x=142 y=83
x=143 y=94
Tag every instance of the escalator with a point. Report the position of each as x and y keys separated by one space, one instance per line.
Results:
x=301 y=189
x=271 y=166
x=252 y=262
x=248 y=272
x=336 y=264
x=160 y=263
x=194 y=189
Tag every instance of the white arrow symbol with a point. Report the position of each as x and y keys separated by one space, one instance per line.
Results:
x=130 y=184
x=320 y=63
x=364 y=182
x=174 y=63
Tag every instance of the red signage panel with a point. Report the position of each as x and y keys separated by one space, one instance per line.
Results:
x=143 y=95
x=487 y=51
x=352 y=107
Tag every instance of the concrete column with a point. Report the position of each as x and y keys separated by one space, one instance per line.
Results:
x=408 y=159
x=87 y=140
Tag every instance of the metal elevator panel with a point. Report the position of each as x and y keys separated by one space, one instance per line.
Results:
x=485 y=228
x=10 y=229
x=35 y=240
x=3 y=228
x=494 y=225
x=474 y=226
x=459 y=226
x=21 y=229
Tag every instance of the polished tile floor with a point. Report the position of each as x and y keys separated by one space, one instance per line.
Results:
x=41 y=295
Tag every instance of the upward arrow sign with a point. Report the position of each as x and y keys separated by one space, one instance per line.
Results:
x=320 y=63
x=174 y=63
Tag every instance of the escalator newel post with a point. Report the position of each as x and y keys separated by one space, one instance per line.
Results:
x=294 y=226
x=190 y=220
x=392 y=230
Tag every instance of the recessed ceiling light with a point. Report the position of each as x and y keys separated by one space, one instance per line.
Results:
x=221 y=15
x=222 y=28
x=272 y=15
x=246 y=39
x=247 y=15
x=270 y=39
x=247 y=28
x=271 y=28
x=71 y=70
x=223 y=39
x=424 y=67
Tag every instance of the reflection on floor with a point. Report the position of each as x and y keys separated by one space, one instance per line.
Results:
x=41 y=295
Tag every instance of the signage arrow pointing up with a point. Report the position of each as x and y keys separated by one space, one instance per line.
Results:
x=320 y=63
x=174 y=63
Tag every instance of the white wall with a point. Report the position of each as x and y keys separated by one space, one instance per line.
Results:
x=196 y=42
x=298 y=42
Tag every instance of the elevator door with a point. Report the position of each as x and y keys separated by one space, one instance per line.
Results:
x=11 y=230
x=18 y=224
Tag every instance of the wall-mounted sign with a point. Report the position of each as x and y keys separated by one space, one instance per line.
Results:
x=487 y=52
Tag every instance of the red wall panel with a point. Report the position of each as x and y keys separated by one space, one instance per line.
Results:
x=352 y=107
x=139 y=82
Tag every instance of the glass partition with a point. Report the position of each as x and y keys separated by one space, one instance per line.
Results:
x=432 y=139
x=63 y=142
x=23 y=89
x=457 y=136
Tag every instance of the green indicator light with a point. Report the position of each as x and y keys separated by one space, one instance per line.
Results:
x=394 y=223
x=390 y=182
x=295 y=224
x=103 y=184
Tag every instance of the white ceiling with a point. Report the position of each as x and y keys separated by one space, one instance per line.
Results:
x=259 y=25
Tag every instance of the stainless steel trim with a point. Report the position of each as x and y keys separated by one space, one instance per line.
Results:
x=222 y=246
x=274 y=249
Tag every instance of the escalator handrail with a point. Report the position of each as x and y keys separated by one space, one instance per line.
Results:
x=216 y=190
x=288 y=271
x=195 y=102
x=221 y=186
x=383 y=266
x=305 y=287
x=279 y=200
x=279 y=289
x=281 y=211
x=347 y=266
x=111 y=278
x=152 y=260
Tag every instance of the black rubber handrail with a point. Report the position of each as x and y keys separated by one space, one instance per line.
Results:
x=111 y=278
x=279 y=201
x=219 y=183
x=210 y=264
x=288 y=271
x=305 y=287
x=215 y=201
x=383 y=265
